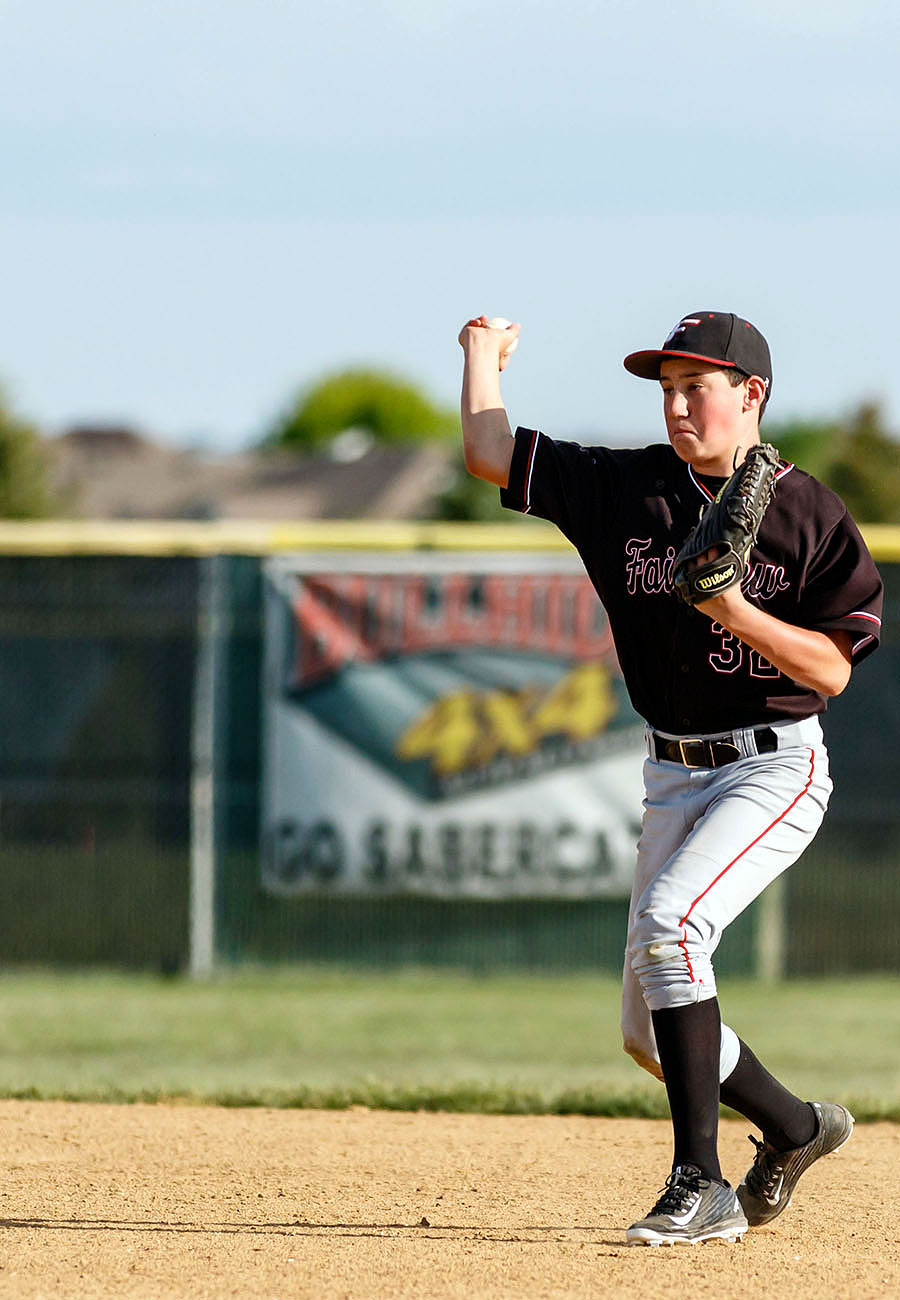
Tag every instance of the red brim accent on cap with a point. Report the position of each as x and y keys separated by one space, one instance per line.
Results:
x=646 y=365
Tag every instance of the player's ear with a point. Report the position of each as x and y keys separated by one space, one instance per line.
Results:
x=754 y=393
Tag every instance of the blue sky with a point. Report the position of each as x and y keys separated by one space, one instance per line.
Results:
x=206 y=205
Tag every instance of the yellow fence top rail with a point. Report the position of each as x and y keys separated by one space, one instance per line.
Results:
x=250 y=537
x=253 y=537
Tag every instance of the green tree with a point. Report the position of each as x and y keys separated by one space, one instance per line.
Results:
x=865 y=469
x=807 y=443
x=24 y=490
x=855 y=456
x=388 y=408
x=470 y=499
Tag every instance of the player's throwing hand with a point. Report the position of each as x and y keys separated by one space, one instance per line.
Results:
x=493 y=334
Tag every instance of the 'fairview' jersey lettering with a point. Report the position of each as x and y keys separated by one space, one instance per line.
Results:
x=628 y=513
x=653 y=573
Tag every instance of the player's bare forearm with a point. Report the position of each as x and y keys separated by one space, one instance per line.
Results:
x=819 y=660
x=488 y=445
x=487 y=436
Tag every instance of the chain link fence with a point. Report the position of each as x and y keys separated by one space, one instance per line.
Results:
x=131 y=770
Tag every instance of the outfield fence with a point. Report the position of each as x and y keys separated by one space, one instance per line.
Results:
x=373 y=745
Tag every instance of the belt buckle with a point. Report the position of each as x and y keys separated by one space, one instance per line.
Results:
x=681 y=742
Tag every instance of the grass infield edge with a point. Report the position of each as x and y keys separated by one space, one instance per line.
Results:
x=470 y=1099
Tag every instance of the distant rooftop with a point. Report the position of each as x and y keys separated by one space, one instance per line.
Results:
x=117 y=472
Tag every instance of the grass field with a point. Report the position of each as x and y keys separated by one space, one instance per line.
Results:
x=321 y=1037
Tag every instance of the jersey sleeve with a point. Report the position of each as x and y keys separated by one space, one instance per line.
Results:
x=572 y=486
x=843 y=589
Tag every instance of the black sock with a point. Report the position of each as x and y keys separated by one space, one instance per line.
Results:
x=784 y=1119
x=687 y=1039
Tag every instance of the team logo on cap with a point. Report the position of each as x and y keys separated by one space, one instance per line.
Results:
x=681 y=326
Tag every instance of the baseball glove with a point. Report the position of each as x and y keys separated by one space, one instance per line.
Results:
x=727 y=529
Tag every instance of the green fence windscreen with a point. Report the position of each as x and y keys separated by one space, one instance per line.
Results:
x=101 y=660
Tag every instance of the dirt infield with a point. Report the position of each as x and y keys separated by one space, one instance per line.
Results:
x=176 y=1201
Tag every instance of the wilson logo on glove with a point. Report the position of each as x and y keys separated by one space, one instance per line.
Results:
x=718 y=579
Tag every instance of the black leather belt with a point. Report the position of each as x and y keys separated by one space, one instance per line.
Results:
x=700 y=752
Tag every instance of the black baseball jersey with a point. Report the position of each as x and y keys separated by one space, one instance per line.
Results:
x=627 y=512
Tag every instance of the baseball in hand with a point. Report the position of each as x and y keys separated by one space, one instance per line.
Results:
x=501 y=323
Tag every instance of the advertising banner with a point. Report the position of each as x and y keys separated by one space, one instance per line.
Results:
x=447 y=724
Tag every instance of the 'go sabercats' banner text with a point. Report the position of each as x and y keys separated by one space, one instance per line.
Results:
x=436 y=729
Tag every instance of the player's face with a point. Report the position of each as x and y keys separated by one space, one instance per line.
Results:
x=705 y=416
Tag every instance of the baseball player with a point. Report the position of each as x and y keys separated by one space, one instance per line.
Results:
x=731 y=688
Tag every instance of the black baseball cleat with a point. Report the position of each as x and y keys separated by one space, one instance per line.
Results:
x=691 y=1208
x=769 y=1183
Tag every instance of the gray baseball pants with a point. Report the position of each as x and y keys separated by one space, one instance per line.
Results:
x=712 y=839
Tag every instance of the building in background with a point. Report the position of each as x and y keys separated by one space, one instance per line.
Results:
x=119 y=473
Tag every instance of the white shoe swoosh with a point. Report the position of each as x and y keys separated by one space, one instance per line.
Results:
x=682 y=1220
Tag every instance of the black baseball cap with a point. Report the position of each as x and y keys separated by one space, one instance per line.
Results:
x=718 y=337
